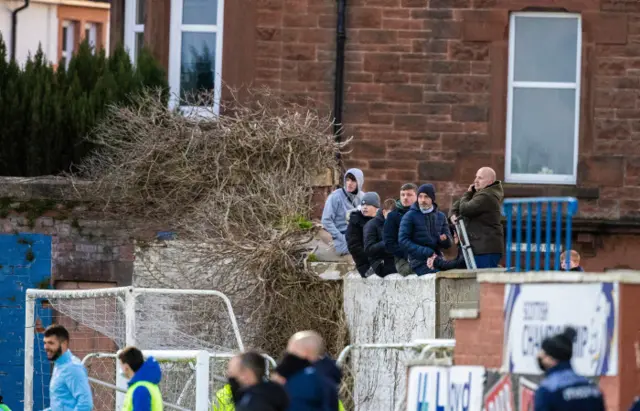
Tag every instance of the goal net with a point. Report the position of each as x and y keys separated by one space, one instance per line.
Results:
x=105 y=320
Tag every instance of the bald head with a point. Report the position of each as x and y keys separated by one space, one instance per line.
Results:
x=484 y=177
x=306 y=344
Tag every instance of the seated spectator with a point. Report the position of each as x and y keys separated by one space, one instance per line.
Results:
x=480 y=209
x=439 y=263
x=334 y=216
x=574 y=261
x=355 y=230
x=424 y=230
x=381 y=261
x=408 y=196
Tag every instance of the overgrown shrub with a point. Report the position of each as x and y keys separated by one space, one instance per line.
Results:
x=237 y=190
x=46 y=113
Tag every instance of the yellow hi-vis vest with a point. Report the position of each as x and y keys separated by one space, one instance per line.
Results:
x=224 y=400
x=154 y=392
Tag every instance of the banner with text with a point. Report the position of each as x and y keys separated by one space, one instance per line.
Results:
x=457 y=388
x=533 y=312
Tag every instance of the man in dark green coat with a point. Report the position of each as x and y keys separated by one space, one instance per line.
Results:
x=480 y=207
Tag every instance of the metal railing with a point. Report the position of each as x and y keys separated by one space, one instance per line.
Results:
x=552 y=211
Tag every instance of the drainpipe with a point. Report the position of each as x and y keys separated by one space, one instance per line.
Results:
x=14 y=28
x=341 y=39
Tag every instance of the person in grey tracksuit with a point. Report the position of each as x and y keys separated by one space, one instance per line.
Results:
x=339 y=204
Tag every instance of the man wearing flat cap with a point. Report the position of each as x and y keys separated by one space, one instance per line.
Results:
x=562 y=389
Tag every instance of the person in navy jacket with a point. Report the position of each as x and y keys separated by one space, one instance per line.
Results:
x=309 y=389
x=562 y=389
x=424 y=230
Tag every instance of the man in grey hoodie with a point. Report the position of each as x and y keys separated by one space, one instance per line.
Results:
x=337 y=207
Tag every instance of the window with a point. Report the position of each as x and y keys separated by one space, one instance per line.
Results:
x=134 y=27
x=67 y=46
x=543 y=109
x=195 y=49
x=91 y=35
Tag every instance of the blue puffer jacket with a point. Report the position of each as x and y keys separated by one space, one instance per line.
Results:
x=420 y=236
x=564 y=390
x=391 y=231
x=309 y=390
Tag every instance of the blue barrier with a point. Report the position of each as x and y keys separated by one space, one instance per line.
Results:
x=546 y=209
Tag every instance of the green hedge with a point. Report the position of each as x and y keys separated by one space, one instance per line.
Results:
x=46 y=113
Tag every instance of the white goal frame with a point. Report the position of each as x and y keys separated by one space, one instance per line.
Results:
x=130 y=293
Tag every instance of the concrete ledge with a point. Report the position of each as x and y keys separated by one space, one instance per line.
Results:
x=464 y=313
x=619 y=276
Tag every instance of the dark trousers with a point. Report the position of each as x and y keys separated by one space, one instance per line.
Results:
x=488 y=260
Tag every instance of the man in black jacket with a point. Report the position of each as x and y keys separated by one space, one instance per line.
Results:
x=250 y=389
x=382 y=262
x=355 y=230
x=408 y=196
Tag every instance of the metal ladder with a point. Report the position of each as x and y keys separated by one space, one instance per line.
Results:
x=467 y=251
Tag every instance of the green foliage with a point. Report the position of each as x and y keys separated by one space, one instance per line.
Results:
x=47 y=113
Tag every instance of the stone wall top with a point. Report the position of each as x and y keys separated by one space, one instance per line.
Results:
x=619 y=276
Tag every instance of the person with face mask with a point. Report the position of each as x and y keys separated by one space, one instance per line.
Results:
x=69 y=389
x=355 y=231
x=562 y=389
x=308 y=389
x=424 y=230
x=144 y=376
x=249 y=387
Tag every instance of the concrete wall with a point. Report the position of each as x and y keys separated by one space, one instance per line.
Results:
x=37 y=25
x=397 y=310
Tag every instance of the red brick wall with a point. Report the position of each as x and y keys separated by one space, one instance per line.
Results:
x=426 y=88
x=479 y=341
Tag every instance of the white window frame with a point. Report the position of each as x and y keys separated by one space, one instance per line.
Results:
x=542 y=178
x=92 y=38
x=68 y=44
x=175 y=55
x=131 y=28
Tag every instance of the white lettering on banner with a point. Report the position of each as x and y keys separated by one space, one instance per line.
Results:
x=445 y=388
x=534 y=312
x=500 y=396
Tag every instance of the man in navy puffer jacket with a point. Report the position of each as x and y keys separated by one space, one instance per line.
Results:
x=562 y=389
x=424 y=230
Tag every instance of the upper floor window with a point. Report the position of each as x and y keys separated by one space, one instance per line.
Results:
x=543 y=108
x=195 y=50
x=68 y=42
x=134 y=27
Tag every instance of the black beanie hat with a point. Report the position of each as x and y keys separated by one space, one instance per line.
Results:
x=429 y=190
x=560 y=346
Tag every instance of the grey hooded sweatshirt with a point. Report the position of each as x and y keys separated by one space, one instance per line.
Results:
x=336 y=208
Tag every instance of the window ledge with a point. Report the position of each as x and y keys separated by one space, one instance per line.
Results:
x=539 y=190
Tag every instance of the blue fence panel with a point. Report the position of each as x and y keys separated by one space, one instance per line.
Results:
x=538 y=209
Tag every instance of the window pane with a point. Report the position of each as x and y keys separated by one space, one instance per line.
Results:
x=545 y=49
x=65 y=38
x=138 y=44
x=200 y=12
x=542 y=139
x=197 y=63
x=140 y=8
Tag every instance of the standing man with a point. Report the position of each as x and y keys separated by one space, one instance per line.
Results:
x=144 y=376
x=563 y=389
x=251 y=391
x=338 y=205
x=408 y=196
x=424 y=230
x=479 y=207
x=69 y=388
x=308 y=389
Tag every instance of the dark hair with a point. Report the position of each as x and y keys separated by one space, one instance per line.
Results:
x=255 y=362
x=58 y=331
x=132 y=357
x=350 y=176
x=389 y=204
x=409 y=186
x=1 y=398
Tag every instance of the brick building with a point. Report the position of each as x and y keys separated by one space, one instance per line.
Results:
x=544 y=91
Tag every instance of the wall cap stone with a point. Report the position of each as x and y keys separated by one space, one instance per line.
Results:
x=616 y=276
x=464 y=313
